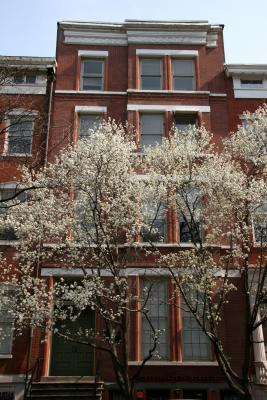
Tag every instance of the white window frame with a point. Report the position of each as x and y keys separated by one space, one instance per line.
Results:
x=92 y=55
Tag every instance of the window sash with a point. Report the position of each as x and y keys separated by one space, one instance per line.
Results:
x=155 y=219
x=6 y=194
x=151 y=74
x=195 y=344
x=91 y=78
x=184 y=121
x=183 y=74
x=88 y=123
x=260 y=224
x=151 y=129
x=158 y=314
x=20 y=136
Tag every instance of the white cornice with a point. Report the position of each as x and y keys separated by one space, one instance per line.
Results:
x=145 y=32
x=245 y=69
x=90 y=92
x=167 y=107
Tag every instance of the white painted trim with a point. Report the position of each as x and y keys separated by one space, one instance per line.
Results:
x=92 y=53
x=85 y=92
x=6 y=356
x=130 y=271
x=169 y=91
x=12 y=378
x=90 y=109
x=218 y=94
x=23 y=112
x=169 y=107
x=167 y=52
x=177 y=363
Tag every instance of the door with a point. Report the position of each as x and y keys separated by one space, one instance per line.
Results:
x=71 y=358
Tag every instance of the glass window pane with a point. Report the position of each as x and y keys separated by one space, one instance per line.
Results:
x=5 y=337
x=183 y=68
x=158 y=313
x=152 y=124
x=92 y=83
x=183 y=83
x=93 y=67
x=18 y=79
x=151 y=83
x=20 y=137
x=30 y=79
x=88 y=123
x=151 y=67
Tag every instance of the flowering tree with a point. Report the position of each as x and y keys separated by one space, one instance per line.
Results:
x=218 y=196
x=84 y=216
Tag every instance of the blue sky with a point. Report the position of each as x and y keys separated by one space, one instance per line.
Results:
x=28 y=27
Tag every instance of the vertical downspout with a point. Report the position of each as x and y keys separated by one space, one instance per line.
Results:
x=49 y=117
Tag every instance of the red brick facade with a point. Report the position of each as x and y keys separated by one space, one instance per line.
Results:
x=214 y=104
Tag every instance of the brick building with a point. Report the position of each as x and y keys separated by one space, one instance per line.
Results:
x=153 y=75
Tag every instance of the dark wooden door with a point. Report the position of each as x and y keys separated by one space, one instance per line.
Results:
x=71 y=358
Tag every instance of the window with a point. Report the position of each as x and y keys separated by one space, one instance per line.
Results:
x=260 y=223
x=196 y=346
x=151 y=129
x=195 y=394
x=7 y=194
x=154 y=229
x=158 y=315
x=183 y=74
x=21 y=79
x=87 y=124
x=189 y=224
x=183 y=121
x=151 y=74
x=251 y=83
x=6 y=320
x=92 y=74
x=19 y=135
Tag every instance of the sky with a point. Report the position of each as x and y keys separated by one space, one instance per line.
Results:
x=28 y=27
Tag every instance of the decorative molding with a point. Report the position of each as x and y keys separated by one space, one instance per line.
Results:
x=167 y=107
x=90 y=92
x=177 y=363
x=166 y=52
x=95 y=37
x=92 y=53
x=245 y=69
x=156 y=32
x=23 y=112
x=218 y=94
x=90 y=109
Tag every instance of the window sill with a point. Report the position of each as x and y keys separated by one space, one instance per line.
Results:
x=6 y=356
x=15 y=155
x=8 y=242
x=163 y=91
x=177 y=363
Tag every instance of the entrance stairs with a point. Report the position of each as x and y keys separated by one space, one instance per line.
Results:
x=66 y=388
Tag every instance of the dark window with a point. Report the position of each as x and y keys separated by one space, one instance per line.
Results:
x=18 y=79
x=19 y=136
x=183 y=121
x=88 y=123
x=155 y=294
x=151 y=129
x=154 y=229
x=183 y=74
x=151 y=74
x=30 y=79
x=260 y=223
x=159 y=394
x=195 y=394
x=92 y=75
x=6 y=396
x=6 y=196
x=189 y=224
x=229 y=395
x=251 y=82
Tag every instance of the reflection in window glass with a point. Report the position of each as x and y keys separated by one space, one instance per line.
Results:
x=88 y=124
x=151 y=129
